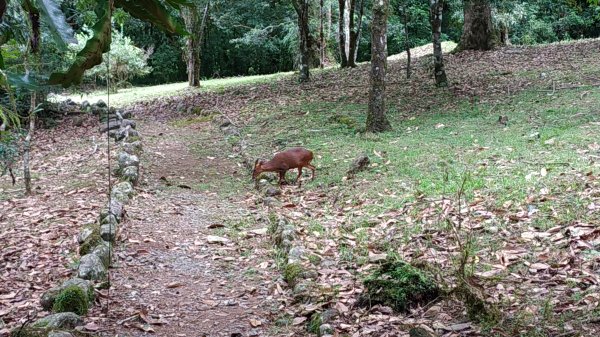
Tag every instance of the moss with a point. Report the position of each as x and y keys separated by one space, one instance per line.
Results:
x=91 y=241
x=349 y=122
x=30 y=332
x=72 y=299
x=399 y=286
x=292 y=272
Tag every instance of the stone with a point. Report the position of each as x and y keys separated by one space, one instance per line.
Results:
x=325 y=329
x=295 y=254
x=91 y=267
x=101 y=104
x=114 y=208
x=419 y=332
x=47 y=299
x=112 y=125
x=108 y=232
x=230 y=131
x=360 y=163
x=125 y=159
x=269 y=201
x=329 y=315
x=60 y=334
x=85 y=105
x=86 y=232
x=122 y=192
x=272 y=192
x=102 y=250
x=132 y=147
x=131 y=174
x=63 y=320
x=216 y=239
x=128 y=122
x=126 y=114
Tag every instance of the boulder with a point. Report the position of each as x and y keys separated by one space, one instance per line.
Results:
x=272 y=191
x=114 y=208
x=91 y=267
x=101 y=104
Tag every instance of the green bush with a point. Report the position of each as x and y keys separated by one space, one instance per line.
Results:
x=125 y=60
x=72 y=299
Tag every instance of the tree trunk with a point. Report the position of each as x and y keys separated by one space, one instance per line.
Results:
x=435 y=16
x=321 y=35
x=355 y=28
x=192 y=25
x=478 y=31
x=302 y=7
x=196 y=29
x=407 y=43
x=376 y=119
x=342 y=34
x=27 y=146
x=349 y=31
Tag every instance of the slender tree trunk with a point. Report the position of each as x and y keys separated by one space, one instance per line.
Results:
x=342 y=34
x=203 y=28
x=478 y=31
x=355 y=28
x=192 y=25
x=27 y=146
x=194 y=41
x=376 y=119
x=321 y=35
x=435 y=16
x=302 y=9
x=407 y=43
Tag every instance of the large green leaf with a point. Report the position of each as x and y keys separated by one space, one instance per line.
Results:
x=55 y=19
x=152 y=11
x=19 y=80
x=91 y=54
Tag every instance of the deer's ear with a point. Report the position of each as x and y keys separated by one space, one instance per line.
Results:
x=256 y=163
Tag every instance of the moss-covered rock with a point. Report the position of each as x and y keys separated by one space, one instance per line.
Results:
x=122 y=192
x=292 y=272
x=47 y=299
x=398 y=285
x=63 y=320
x=91 y=267
x=71 y=299
x=102 y=250
x=88 y=238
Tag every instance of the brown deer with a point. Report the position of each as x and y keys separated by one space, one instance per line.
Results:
x=282 y=162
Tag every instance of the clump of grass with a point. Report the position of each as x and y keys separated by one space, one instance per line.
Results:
x=398 y=285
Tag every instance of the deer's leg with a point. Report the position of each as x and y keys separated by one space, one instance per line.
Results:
x=281 y=177
x=299 y=175
x=312 y=168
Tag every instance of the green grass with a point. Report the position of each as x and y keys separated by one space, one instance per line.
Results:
x=428 y=155
x=138 y=94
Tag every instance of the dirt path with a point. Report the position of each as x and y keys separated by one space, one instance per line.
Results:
x=166 y=268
